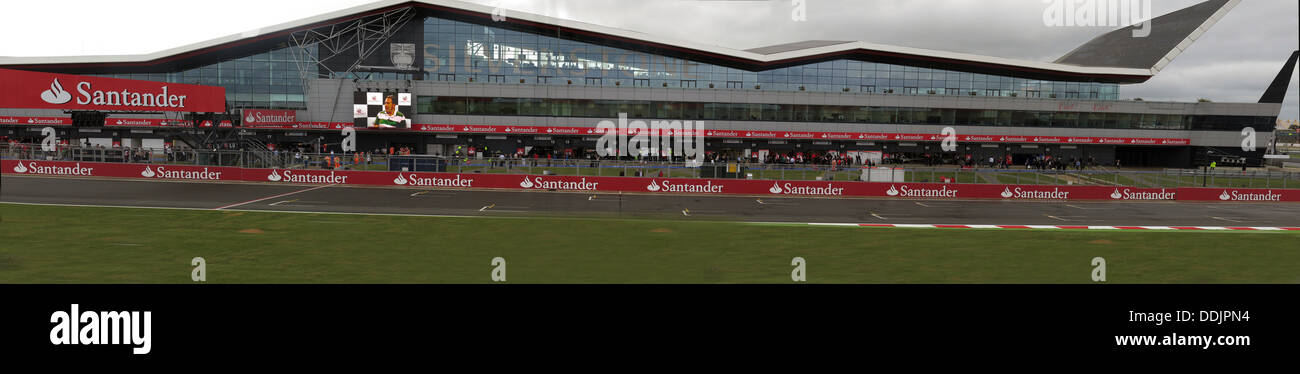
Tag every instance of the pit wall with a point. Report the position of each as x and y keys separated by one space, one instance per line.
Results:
x=927 y=191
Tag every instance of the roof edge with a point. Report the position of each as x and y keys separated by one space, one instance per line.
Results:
x=758 y=60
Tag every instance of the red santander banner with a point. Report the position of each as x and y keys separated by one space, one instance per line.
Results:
x=101 y=169
x=746 y=134
x=263 y=117
x=34 y=90
x=18 y=120
x=1239 y=194
x=300 y=125
x=927 y=191
x=146 y=122
x=767 y=134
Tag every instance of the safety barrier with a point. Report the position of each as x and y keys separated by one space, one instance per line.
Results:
x=899 y=190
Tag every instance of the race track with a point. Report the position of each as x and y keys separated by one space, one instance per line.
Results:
x=404 y=200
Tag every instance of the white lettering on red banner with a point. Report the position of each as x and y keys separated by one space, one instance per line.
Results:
x=34 y=167
x=648 y=185
x=255 y=117
x=36 y=90
x=1233 y=195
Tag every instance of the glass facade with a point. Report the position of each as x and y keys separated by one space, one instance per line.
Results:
x=466 y=52
x=268 y=80
x=608 y=109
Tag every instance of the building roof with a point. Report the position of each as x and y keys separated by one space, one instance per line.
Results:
x=796 y=46
x=1167 y=37
x=1109 y=58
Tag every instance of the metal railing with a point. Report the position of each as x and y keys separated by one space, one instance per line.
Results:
x=1105 y=176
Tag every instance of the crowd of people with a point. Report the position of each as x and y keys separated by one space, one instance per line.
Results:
x=330 y=156
x=1006 y=161
x=18 y=147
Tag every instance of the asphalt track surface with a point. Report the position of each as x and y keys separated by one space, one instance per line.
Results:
x=443 y=202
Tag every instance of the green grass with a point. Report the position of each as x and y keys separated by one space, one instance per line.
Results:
x=1246 y=182
x=1169 y=180
x=1120 y=179
x=1043 y=178
x=1006 y=178
x=1025 y=178
x=929 y=177
x=1198 y=180
x=45 y=244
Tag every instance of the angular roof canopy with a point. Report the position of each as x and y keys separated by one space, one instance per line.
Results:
x=1110 y=58
x=796 y=46
x=1166 y=37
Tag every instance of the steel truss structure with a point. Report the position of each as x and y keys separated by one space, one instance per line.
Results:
x=366 y=35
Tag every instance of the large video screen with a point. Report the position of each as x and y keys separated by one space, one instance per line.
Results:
x=383 y=110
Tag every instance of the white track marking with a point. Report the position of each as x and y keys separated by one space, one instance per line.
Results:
x=272 y=197
x=1010 y=227
x=1079 y=207
x=933 y=205
x=1228 y=219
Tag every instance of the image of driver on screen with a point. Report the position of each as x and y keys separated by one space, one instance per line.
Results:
x=389 y=117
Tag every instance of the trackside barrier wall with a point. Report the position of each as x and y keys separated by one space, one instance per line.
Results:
x=645 y=185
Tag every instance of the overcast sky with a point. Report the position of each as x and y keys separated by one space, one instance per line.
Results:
x=1234 y=62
